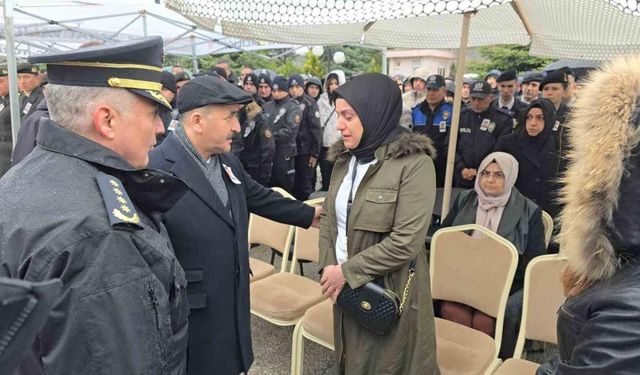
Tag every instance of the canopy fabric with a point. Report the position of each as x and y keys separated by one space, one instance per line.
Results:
x=576 y=29
x=63 y=25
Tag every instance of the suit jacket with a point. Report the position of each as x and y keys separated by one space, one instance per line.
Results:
x=212 y=246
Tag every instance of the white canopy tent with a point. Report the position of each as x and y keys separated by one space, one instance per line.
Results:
x=36 y=26
x=572 y=29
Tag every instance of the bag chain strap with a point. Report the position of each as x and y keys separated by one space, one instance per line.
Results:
x=405 y=293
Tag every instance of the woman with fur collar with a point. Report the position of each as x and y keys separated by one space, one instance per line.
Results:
x=599 y=324
x=381 y=195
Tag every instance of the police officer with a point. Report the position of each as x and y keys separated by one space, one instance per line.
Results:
x=507 y=83
x=313 y=88
x=249 y=83
x=432 y=117
x=258 y=146
x=553 y=87
x=308 y=141
x=480 y=127
x=284 y=116
x=6 y=143
x=96 y=224
x=531 y=87
x=32 y=93
x=264 y=87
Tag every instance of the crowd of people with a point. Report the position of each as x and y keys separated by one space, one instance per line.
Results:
x=133 y=186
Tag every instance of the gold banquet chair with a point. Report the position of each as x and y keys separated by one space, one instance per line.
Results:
x=316 y=325
x=284 y=297
x=477 y=273
x=547 y=221
x=543 y=296
x=276 y=236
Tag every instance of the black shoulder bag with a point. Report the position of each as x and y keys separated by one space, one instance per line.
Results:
x=372 y=305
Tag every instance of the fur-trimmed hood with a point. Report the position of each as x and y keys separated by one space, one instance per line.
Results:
x=599 y=223
x=253 y=109
x=407 y=144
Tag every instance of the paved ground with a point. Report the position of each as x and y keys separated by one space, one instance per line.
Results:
x=272 y=344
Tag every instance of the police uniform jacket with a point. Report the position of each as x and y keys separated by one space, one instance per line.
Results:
x=436 y=125
x=259 y=147
x=284 y=117
x=94 y=224
x=212 y=246
x=28 y=133
x=309 y=137
x=477 y=137
x=29 y=103
x=514 y=112
x=561 y=136
x=6 y=143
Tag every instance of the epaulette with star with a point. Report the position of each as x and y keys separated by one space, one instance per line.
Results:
x=118 y=204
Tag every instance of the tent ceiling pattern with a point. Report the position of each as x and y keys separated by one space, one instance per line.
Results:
x=579 y=29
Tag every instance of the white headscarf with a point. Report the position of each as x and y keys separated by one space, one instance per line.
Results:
x=490 y=209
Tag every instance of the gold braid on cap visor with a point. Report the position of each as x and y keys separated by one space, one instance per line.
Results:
x=125 y=83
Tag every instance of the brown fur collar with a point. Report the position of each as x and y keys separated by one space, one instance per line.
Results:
x=253 y=109
x=601 y=141
x=406 y=144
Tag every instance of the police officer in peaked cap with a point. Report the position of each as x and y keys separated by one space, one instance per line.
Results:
x=95 y=224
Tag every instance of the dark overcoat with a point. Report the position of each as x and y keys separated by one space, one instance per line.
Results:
x=212 y=246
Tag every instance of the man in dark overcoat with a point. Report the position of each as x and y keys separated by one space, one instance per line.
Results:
x=208 y=226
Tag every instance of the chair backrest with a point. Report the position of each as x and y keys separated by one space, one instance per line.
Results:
x=543 y=296
x=305 y=243
x=477 y=272
x=277 y=236
x=547 y=221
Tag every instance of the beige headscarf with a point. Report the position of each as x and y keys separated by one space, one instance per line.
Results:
x=490 y=209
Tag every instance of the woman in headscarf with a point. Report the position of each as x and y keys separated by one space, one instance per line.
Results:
x=533 y=146
x=381 y=195
x=496 y=204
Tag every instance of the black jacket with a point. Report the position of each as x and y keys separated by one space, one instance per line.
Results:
x=212 y=246
x=6 y=140
x=599 y=330
x=538 y=160
x=477 y=136
x=284 y=117
x=28 y=133
x=514 y=112
x=76 y=211
x=521 y=224
x=28 y=104
x=258 y=146
x=309 y=137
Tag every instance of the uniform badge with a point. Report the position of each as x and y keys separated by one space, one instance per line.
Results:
x=445 y=115
x=26 y=108
x=119 y=207
x=515 y=123
x=232 y=176
x=443 y=127
x=267 y=134
x=275 y=87
x=485 y=125
x=1 y=106
x=302 y=107
x=556 y=126
x=297 y=119
x=250 y=125
x=491 y=127
x=317 y=114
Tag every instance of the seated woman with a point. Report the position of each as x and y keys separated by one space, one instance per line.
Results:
x=497 y=205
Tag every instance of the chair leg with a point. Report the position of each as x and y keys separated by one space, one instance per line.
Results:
x=301 y=270
x=297 y=350
x=273 y=256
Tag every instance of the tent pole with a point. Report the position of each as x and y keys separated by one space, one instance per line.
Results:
x=455 y=121
x=194 y=57
x=144 y=23
x=385 y=68
x=12 y=68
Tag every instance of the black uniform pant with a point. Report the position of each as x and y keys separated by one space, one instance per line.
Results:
x=326 y=167
x=261 y=174
x=283 y=173
x=303 y=180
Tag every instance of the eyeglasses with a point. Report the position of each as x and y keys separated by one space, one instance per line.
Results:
x=496 y=175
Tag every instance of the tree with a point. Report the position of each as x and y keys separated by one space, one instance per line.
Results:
x=374 y=65
x=505 y=57
x=288 y=68
x=313 y=66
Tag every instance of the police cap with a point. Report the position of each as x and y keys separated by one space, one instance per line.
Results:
x=556 y=76
x=169 y=82
x=314 y=81
x=28 y=68
x=280 y=83
x=296 y=79
x=435 y=81
x=507 y=75
x=3 y=71
x=481 y=89
x=135 y=65
x=264 y=78
x=532 y=77
x=204 y=90
x=250 y=78
x=492 y=73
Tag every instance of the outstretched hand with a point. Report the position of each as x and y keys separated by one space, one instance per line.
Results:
x=316 y=217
